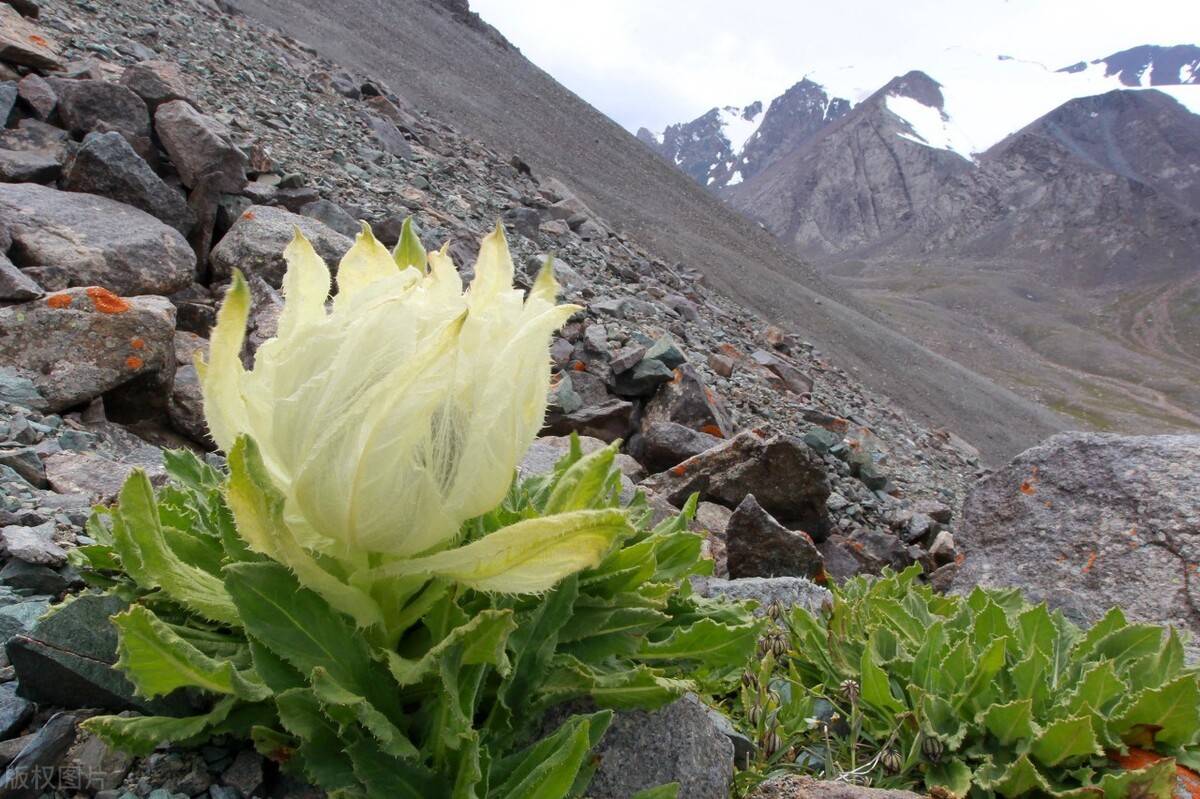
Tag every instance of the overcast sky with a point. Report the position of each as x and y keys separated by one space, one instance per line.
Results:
x=655 y=62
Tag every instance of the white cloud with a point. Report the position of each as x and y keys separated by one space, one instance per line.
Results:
x=653 y=62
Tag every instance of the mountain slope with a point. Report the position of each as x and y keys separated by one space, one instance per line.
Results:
x=437 y=56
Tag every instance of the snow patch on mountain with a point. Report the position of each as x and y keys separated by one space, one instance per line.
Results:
x=989 y=97
x=929 y=126
x=739 y=124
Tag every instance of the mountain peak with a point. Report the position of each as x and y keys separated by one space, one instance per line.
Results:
x=916 y=85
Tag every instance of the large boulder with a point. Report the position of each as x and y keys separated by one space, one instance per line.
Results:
x=95 y=241
x=786 y=477
x=1086 y=521
x=756 y=545
x=677 y=743
x=200 y=148
x=108 y=166
x=33 y=152
x=257 y=239
x=687 y=401
x=88 y=105
x=78 y=344
x=23 y=42
x=156 y=82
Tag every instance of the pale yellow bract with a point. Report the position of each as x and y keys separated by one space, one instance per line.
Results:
x=391 y=415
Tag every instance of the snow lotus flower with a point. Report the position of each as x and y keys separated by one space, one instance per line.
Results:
x=388 y=417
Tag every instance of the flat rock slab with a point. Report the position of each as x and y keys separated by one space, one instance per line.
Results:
x=23 y=42
x=794 y=787
x=787 y=591
x=67 y=660
x=95 y=240
x=78 y=344
x=1086 y=521
x=34 y=545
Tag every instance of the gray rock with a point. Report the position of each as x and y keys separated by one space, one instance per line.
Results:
x=29 y=166
x=256 y=242
x=686 y=400
x=97 y=241
x=200 y=147
x=678 y=743
x=88 y=105
x=786 y=477
x=81 y=343
x=525 y=221
x=185 y=407
x=666 y=351
x=89 y=473
x=14 y=711
x=388 y=136
x=8 y=99
x=788 y=591
x=15 y=285
x=642 y=380
x=25 y=776
x=108 y=166
x=21 y=616
x=33 y=545
x=26 y=463
x=156 y=82
x=23 y=42
x=19 y=390
x=245 y=773
x=1086 y=521
x=99 y=766
x=39 y=94
x=665 y=444
x=608 y=421
x=31 y=579
x=756 y=545
x=332 y=215
x=67 y=660
x=789 y=376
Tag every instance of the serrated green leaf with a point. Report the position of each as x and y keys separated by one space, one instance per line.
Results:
x=1029 y=679
x=300 y=627
x=548 y=769
x=1009 y=723
x=385 y=776
x=158 y=661
x=1169 y=715
x=677 y=555
x=145 y=554
x=482 y=640
x=321 y=752
x=712 y=642
x=1066 y=740
x=1099 y=688
x=979 y=687
x=951 y=774
x=588 y=622
x=1019 y=778
x=582 y=483
x=347 y=707
x=939 y=718
x=929 y=657
x=1156 y=781
x=185 y=467
x=610 y=685
x=139 y=735
x=875 y=687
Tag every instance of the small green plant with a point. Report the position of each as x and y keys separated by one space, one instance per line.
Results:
x=354 y=596
x=982 y=696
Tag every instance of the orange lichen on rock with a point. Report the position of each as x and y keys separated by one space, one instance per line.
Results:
x=1187 y=782
x=38 y=40
x=579 y=366
x=248 y=215
x=106 y=302
x=138 y=343
x=680 y=470
x=134 y=362
x=59 y=300
x=712 y=430
x=1091 y=561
